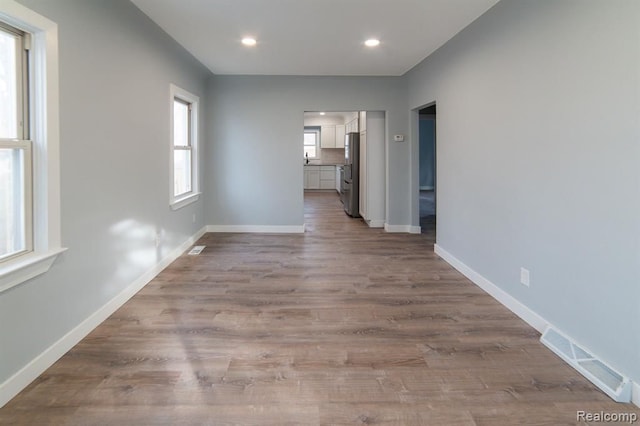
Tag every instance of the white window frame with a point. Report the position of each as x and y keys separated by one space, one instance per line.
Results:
x=315 y=130
x=21 y=141
x=27 y=190
x=178 y=201
x=45 y=145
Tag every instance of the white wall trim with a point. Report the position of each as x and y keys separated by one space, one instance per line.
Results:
x=513 y=304
x=14 y=384
x=27 y=267
x=376 y=223
x=257 y=229
x=45 y=136
x=402 y=228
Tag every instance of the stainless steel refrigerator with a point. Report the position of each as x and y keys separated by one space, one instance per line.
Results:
x=350 y=195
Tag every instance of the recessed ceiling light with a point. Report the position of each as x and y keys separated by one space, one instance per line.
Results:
x=372 y=42
x=249 y=41
x=322 y=113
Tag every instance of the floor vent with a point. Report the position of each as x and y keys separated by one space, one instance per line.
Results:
x=196 y=250
x=606 y=378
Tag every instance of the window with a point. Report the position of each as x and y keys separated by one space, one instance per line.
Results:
x=184 y=148
x=29 y=145
x=15 y=148
x=311 y=142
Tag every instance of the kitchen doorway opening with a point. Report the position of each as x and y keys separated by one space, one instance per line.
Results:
x=324 y=154
x=344 y=156
x=427 y=169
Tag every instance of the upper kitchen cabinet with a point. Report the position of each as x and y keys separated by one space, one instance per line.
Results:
x=328 y=137
x=340 y=133
x=362 y=121
x=333 y=127
x=332 y=136
x=352 y=126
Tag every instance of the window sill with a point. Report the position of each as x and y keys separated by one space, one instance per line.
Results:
x=185 y=201
x=25 y=267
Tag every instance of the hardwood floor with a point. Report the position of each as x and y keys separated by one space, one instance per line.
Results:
x=341 y=325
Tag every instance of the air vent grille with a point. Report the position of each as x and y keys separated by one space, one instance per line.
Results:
x=196 y=250
x=606 y=378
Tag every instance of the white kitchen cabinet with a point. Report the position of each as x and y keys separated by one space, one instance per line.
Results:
x=327 y=177
x=352 y=126
x=372 y=171
x=363 y=176
x=362 y=121
x=338 y=178
x=328 y=137
x=319 y=177
x=340 y=133
x=311 y=177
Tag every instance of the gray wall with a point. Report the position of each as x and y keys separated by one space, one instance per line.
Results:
x=538 y=153
x=115 y=70
x=253 y=169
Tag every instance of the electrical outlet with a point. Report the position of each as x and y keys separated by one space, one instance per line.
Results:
x=524 y=277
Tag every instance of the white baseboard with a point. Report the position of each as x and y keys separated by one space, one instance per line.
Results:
x=513 y=304
x=402 y=228
x=258 y=229
x=14 y=384
x=375 y=223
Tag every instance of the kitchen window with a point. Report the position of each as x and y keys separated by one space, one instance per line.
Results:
x=29 y=145
x=184 y=148
x=311 y=143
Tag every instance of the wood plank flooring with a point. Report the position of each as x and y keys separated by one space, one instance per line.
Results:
x=343 y=325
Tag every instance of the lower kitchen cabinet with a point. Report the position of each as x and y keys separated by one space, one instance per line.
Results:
x=319 y=177
x=311 y=177
x=327 y=177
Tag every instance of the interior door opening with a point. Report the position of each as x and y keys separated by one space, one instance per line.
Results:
x=344 y=161
x=427 y=169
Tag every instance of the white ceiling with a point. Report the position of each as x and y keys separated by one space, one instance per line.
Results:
x=312 y=37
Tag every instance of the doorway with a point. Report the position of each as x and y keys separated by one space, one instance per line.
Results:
x=427 y=169
x=344 y=154
x=323 y=161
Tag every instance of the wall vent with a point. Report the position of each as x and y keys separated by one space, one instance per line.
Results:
x=606 y=378
x=196 y=250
